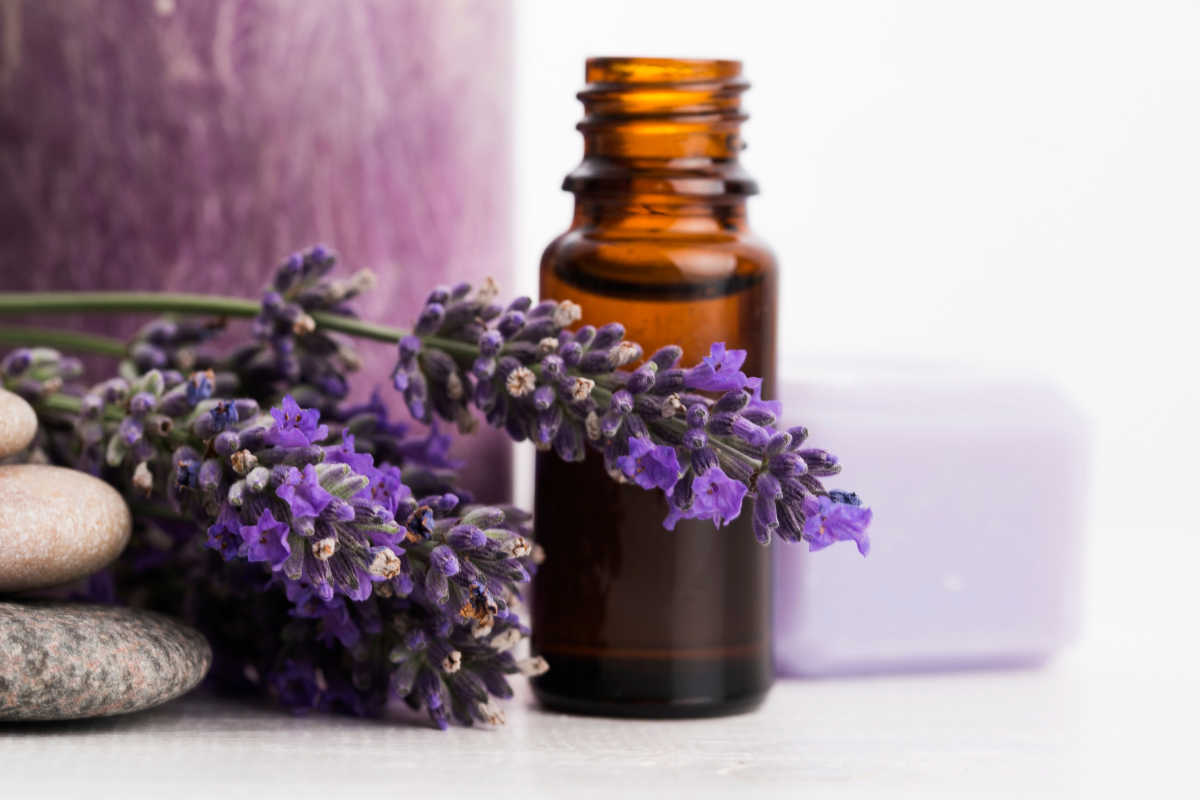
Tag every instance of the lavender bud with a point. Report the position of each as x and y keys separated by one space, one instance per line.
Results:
x=415 y=395
x=571 y=354
x=695 y=438
x=543 y=397
x=786 y=465
x=258 y=479
x=640 y=381
x=608 y=335
x=521 y=304
x=595 y=362
x=484 y=368
x=209 y=476
x=621 y=403
x=430 y=319
x=485 y=517
x=409 y=347
x=636 y=426
x=821 y=463
x=147 y=357
x=91 y=407
x=440 y=295
x=666 y=357
x=142 y=404
x=683 y=496
x=697 y=416
x=429 y=689
x=130 y=430
x=466 y=537
x=791 y=523
x=443 y=559
x=299 y=457
x=704 y=459
x=458 y=315
x=669 y=382
x=490 y=343
x=17 y=362
x=610 y=424
x=553 y=369
x=252 y=438
x=175 y=402
x=543 y=309
x=490 y=312
x=114 y=390
x=798 y=434
x=746 y=430
x=548 y=422
x=569 y=442
x=486 y=394
x=794 y=492
x=778 y=443
x=511 y=324
x=759 y=416
x=731 y=401
x=537 y=329
x=245 y=408
x=721 y=424
x=585 y=335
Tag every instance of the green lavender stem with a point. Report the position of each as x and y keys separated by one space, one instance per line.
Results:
x=164 y=303
x=70 y=341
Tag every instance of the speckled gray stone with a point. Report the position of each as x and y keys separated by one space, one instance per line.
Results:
x=57 y=525
x=71 y=660
x=18 y=423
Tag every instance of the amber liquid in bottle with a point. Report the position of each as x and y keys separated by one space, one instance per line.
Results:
x=636 y=620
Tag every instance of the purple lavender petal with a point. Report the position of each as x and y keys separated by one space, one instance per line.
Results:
x=650 y=465
x=838 y=522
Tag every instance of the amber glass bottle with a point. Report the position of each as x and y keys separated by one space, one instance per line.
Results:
x=636 y=620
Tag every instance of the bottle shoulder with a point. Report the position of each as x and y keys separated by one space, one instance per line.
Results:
x=677 y=261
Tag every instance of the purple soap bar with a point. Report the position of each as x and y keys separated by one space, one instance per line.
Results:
x=977 y=484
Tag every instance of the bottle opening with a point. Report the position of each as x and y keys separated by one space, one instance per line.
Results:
x=660 y=70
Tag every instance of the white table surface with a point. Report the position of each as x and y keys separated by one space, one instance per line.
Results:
x=1115 y=715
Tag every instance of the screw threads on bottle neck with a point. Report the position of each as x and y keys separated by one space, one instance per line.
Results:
x=662 y=127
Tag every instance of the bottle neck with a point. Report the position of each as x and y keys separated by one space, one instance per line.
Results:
x=677 y=214
x=662 y=130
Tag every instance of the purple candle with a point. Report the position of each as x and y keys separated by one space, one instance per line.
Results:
x=188 y=144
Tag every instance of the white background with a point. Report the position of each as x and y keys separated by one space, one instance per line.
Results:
x=1010 y=183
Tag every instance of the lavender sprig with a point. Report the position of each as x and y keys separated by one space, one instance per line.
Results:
x=527 y=373
x=289 y=348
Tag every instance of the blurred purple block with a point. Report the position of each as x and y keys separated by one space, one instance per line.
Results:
x=188 y=145
x=978 y=489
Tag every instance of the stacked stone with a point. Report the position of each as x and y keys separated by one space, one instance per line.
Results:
x=69 y=660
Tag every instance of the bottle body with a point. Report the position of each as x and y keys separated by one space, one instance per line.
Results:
x=636 y=620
